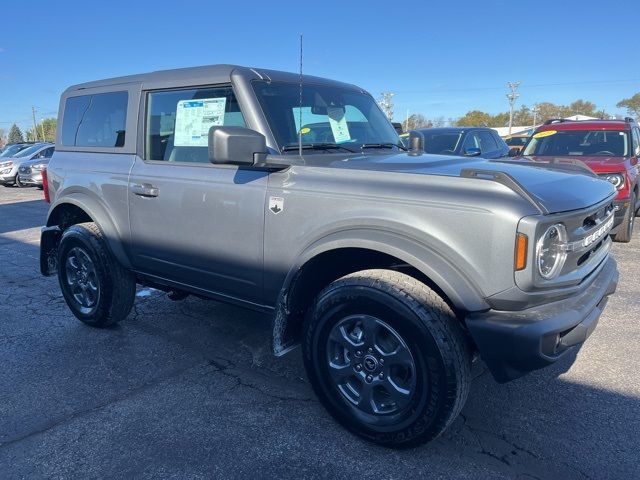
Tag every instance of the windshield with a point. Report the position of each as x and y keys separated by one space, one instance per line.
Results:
x=11 y=150
x=329 y=116
x=610 y=143
x=441 y=143
x=28 y=151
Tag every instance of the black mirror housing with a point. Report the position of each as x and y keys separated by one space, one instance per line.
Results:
x=235 y=145
x=416 y=143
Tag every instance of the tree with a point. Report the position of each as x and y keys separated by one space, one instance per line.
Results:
x=523 y=116
x=15 y=135
x=474 y=118
x=416 y=121
x=48 y=126
x=632 y=105
x=581 y=107
x=3 y=137
x=439 y=122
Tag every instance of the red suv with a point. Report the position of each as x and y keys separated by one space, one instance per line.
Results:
x=611 y=148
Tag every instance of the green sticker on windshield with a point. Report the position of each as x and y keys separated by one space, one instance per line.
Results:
x=338 y=124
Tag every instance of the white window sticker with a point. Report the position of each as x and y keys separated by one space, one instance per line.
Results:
x=195 y=117
x=338 y=124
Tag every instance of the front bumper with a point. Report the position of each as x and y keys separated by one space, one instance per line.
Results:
x=621 y=207
x=513 y=343
x=7 y=179
x=31 y=178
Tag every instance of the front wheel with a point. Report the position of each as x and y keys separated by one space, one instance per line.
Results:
x=19 y=184
x=97 y=289
x=387 y=357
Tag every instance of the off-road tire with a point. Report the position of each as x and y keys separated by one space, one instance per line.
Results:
x=117 y=285
x=430 y=330
x=625 y=230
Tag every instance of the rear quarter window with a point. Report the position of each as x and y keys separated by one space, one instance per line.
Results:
x=96 y=120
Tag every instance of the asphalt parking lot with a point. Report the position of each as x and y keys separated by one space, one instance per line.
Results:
x=190 y=390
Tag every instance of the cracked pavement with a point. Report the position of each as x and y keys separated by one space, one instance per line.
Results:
x=189 y=389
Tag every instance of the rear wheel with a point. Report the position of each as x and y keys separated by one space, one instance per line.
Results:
x=387 y=357
x=626 y=227
x=97 y=289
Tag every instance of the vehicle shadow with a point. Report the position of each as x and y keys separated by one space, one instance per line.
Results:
x=20 y=215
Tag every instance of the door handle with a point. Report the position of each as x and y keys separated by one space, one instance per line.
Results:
x=145 y=190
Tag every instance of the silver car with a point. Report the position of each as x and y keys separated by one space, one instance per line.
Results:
x=292 y=196
x=30 y=173
x=9 y=166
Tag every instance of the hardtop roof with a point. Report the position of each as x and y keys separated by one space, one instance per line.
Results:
x=206 y=75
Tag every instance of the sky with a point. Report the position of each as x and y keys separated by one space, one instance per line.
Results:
x=441 y=59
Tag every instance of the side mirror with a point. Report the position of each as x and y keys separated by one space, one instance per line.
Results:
x=235 y=145
x=513 y=152
x=416 y=143
x=472 y=152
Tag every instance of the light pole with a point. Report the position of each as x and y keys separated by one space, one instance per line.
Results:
x=512 y=96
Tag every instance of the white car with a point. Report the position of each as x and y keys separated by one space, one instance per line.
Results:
x=9 y=166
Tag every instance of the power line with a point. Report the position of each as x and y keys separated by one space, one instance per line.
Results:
x=527 y=86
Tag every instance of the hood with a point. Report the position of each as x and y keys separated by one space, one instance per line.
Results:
x=597 y=163
x=553 y=187
x=35 y=161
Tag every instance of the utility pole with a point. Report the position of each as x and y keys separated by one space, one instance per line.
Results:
x=35 y=128
x=535 y=114
x=512 y=96
x=386 y=103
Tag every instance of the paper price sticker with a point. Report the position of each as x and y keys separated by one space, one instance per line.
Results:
x=195 y=117
x=338 y=124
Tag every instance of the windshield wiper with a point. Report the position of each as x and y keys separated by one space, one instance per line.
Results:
x=315 y=146
x=382 y=145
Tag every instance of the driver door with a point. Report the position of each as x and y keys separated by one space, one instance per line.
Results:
x=192 y=222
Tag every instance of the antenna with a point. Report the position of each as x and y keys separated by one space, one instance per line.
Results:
x=300 y=109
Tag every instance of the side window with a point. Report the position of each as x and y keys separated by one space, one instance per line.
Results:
x=48 y=153
x=178 y=122
x=487 y=142
x=74 y=109
x=95 y=120
x=636 y=141
x=471 y=141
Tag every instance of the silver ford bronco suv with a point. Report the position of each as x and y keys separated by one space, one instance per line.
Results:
x=292 y=195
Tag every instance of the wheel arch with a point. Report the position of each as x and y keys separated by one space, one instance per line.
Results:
x=347 y=252
x=78 y=208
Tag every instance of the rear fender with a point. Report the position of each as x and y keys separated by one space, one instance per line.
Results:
x=99 y=215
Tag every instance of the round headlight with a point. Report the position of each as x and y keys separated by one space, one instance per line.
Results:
x=550 y=251
x=617 y=179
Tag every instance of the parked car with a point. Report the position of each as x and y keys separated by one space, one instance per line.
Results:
x=611 y=148
x=10 y=149
x=9 y=165
x=515 y=143
x=30 y=173
x=464 y=141
x=393 y=269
